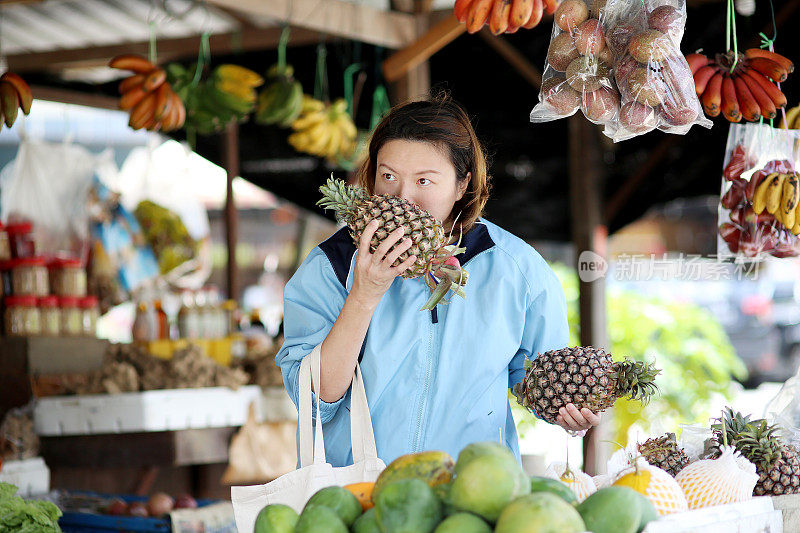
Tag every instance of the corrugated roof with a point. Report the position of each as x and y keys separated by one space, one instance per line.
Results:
x=67 y=24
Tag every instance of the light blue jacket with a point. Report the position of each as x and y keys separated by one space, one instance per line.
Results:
x=435 y=380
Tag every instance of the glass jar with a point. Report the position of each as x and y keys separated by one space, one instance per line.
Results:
x=90 y=312
x=5 y=247
x=29 y=277
x=142 y=330
x=69 y=278
x=50 y=316
x=188 y=320
x=71 y=317
x=22 y=317
x=20 y=240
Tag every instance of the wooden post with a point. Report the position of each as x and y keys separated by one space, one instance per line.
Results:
x=588 y=235
x=231 y=159
x=416 y=82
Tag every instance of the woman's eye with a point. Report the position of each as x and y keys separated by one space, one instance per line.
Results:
x=424 y=181
x=388 y=177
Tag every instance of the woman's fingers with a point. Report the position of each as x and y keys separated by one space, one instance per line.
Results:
x=401 y=247
x=592 y=418
x=405 y=265
x=387 y=243
x=575 y=414
x=366 y=237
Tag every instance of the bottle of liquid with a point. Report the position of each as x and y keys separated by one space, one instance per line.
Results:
x=188 y=324
x=162 y=322
x=142 y=331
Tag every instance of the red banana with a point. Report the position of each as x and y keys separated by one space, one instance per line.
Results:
x=775 y=94
x=702 y=77
x=712 y=96
x=696 y=61
x=783 y=61
x=768 y=68
x=748 y=105
x=730 y=104
x=764 y=101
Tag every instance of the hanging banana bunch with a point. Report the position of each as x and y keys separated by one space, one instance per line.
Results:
x=14 y=95
x=148 y=96
x=324 y=130
x=281 y=102
x=227 y=95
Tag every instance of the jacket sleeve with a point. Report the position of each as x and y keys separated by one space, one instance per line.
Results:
x=312 y=301
x=546 y=325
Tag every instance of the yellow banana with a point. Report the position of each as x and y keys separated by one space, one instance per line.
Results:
x=319 y=139
x=760 y=196
x=311 y=104
x=334 y=143
x=774 y=192
x=347 y=126
x=299 y=141
x=340 y=105
x=796 y=228
x=789 y=200
x=791 y=118
x=309 y=120
x=239 y=75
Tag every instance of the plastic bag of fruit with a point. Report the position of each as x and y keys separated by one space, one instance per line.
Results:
x=759 y=200
x=654 y=80
x=578 y=70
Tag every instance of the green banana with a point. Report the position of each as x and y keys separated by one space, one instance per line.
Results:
x=294 y=104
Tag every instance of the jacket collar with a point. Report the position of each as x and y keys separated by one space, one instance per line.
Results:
x=476 y=240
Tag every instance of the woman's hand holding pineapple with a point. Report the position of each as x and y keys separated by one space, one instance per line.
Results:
x=374 y=273
x=575 y=420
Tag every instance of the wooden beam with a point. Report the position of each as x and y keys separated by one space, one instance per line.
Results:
x=439 y=36
x=416 y=82
x=68 y=96
x=588 y=235
x=514 y=57
x=348 y=20
x=168 y=49
x=231 y=161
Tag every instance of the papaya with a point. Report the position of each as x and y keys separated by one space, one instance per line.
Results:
x=407 y=506
x=553 y=486
x=363 y=493
x=540 y=512
x=339 y=500
x=319 y=519
x=366 y=523
x=612 y=510
x=432 y=467
x=487 y=484
x=462 y=523
x=276 y=518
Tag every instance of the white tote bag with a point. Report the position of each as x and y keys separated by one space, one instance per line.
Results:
x=295 y=488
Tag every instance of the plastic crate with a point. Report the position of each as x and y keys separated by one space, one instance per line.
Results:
x=89 y=522
x=752 y=516
x=159 y=410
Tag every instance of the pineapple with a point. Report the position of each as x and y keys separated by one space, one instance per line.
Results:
x=584 y=376
x=728 y=479
x=777 y=464
x=356 y=208
x=664 y=453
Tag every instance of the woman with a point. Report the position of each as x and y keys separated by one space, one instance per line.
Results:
x=434 y=380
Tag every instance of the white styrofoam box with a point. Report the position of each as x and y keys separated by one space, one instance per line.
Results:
x=31 y=476
x=752 y=516
x=276 y=405
x=158 y=410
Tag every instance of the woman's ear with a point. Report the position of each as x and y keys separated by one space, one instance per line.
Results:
x=463 y=185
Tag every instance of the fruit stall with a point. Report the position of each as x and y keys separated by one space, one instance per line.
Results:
x=594 y=111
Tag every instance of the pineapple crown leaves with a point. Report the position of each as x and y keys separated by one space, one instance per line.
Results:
x=757 y=441
x=636 y=380
x=340 y=197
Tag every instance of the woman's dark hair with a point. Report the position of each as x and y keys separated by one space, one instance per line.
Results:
x=440 y=121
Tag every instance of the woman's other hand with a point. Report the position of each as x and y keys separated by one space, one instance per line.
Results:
x=577 y=421
x=374 y=273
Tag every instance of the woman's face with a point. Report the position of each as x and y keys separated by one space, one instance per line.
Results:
x=421 y=173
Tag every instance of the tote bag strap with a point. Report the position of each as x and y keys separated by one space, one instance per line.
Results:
x=362 y=437
x=312 y=451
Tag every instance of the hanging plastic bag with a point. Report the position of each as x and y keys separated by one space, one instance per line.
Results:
x=655 y=82
x=48 y=184
x=784 y=410
x=578 y=71
x=161 y=186
x=758 y=210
